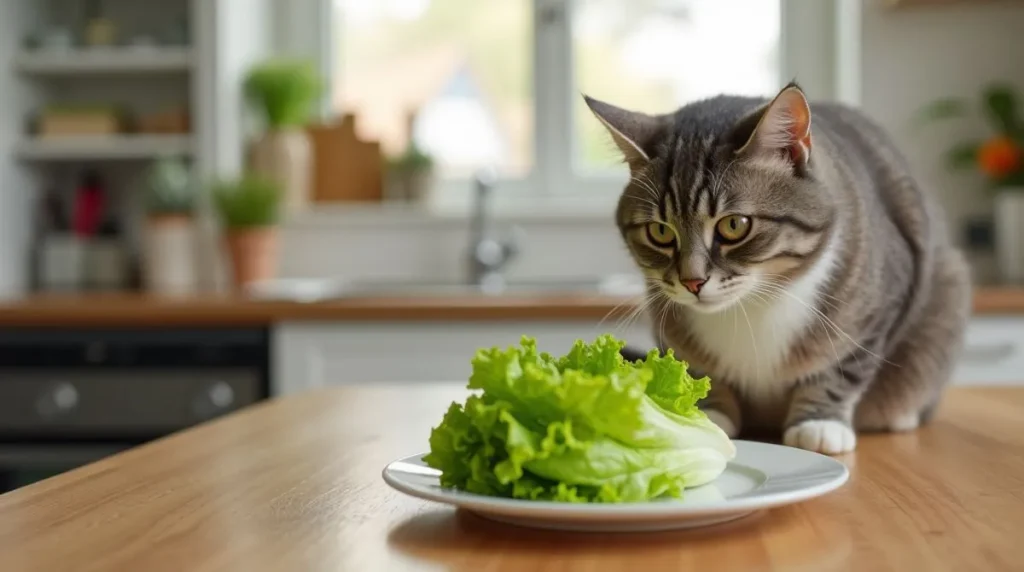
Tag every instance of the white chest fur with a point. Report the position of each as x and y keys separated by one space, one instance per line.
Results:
x=753 y=339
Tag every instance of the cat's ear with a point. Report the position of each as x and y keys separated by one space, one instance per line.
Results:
x=633 y=132
x=784 y=127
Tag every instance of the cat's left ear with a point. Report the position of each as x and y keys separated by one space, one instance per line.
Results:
x=633 y=133
x=784 y=127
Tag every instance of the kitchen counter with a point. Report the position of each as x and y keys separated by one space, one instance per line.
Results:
x=98 y=310
x=294 y=484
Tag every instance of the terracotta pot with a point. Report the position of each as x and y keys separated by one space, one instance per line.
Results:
x=286 y=157
x=253 y=254
x=169 y=255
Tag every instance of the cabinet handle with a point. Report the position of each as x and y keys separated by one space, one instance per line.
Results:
x=214 y=400
x=989 y=352
x=60 y=399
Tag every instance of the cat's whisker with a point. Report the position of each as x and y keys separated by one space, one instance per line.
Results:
x=838 y=330
x=782 y=287
x=715 y=188
x=764 y=299
x=645 y=200
x=627 y=321
x=825 y=329
x=664 y=313
x=783 y=280
x=636 y=301
x=644 y=182
x=753 y=339
x=649 y=301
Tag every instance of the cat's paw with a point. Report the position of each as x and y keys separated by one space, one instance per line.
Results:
x=723 y=422
x=821 y=436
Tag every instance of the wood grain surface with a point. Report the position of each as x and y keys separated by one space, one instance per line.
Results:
x=102 y=310
x=294 y=485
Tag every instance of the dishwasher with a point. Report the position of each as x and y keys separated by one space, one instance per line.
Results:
x=71 y=397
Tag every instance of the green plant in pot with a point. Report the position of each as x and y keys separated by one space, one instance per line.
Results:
x=411 y=173
x=170 y=192
x=999 y=159
x=249 y=209
x=284 y=92
x=169 y=238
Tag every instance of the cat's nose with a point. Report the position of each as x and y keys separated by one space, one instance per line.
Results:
x=694 y=285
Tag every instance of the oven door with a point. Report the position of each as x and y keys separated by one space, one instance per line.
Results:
x=23 y=464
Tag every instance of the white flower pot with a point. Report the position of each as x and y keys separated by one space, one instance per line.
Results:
x=1009 y=234
x=63 y=259
x=169 y=256
x=286 y=157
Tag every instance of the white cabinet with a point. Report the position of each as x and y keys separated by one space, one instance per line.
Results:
x=993 y=352
x=308 y=354
x=315 y=354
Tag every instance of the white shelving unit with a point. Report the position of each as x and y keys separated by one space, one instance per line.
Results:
x=106 y=148
x=127 y=60
x=223 y=41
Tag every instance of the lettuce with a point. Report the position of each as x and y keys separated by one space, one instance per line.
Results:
x=585 y=427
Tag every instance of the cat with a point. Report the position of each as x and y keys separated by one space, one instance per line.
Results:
x=797 y=263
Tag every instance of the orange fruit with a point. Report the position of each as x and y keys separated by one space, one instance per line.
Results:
x=999 y=157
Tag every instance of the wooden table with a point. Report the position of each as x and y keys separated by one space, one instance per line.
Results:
x=294 y=485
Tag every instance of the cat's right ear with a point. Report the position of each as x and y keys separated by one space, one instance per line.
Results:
x=632 y=132
x=781 y=128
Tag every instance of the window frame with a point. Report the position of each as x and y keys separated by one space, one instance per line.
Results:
x=820 y=48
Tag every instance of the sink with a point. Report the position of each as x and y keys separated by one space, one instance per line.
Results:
x=326 y=289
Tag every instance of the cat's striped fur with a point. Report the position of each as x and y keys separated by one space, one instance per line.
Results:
x=845 y=305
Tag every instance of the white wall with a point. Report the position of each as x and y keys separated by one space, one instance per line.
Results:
x=912 y=56
x=408 y=245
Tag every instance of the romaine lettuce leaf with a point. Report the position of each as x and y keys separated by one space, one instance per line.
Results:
x=585 y=427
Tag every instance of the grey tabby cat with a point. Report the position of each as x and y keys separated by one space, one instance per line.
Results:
x=801 y=267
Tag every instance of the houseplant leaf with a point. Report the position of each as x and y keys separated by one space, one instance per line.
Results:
x=945 y=108
x=1001 y=106
x=249 y=202
x=284 y=91
x=963 y=155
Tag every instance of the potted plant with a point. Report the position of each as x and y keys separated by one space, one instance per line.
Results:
x=284 y=91
x=249 y=209
x=411 y=174
x=1000 y=159
x=169 y=240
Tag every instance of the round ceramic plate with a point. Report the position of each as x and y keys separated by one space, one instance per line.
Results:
x=761 y=476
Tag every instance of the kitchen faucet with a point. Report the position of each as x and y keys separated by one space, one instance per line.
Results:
x=488 y=255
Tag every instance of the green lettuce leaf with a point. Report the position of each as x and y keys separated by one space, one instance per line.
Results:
x=585 y=427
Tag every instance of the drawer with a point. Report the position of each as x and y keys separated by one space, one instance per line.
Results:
x=993 y=352
x=119 y=402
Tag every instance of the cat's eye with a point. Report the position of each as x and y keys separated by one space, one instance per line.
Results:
x=733 y=228
x=661 y=234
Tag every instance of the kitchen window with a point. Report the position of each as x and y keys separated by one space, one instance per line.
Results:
x=497 y=83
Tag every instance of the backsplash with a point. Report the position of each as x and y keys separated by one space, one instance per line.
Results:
x=437 y=248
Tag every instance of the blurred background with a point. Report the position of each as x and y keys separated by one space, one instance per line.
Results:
x=207 y=203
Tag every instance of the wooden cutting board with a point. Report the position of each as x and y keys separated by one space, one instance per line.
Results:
x=345 y=168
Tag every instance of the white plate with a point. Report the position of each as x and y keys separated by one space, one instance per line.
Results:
x=761 y=476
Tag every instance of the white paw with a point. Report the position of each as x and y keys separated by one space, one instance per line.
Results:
x=821 y=436
x=723 y=422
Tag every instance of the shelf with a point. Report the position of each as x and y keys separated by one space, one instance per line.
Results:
x=104 y=60
x=104 y=148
